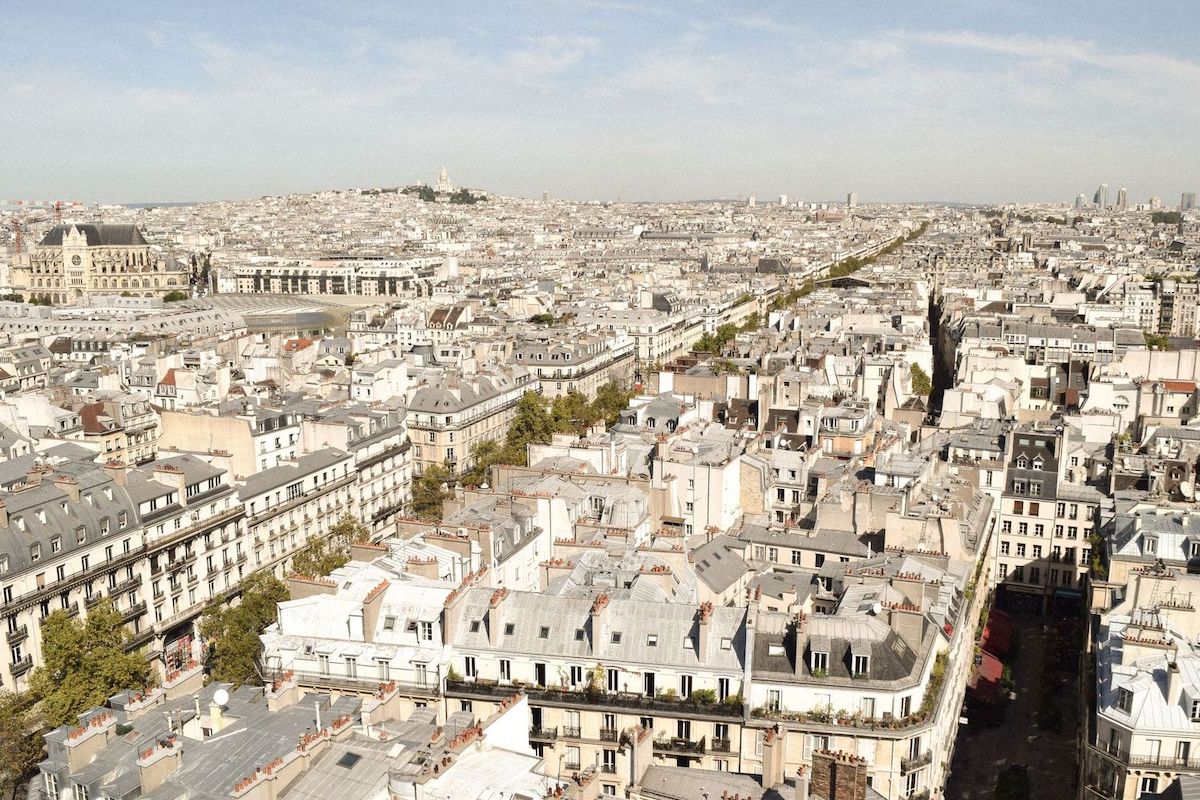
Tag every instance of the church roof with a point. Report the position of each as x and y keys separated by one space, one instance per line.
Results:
x=98 y=235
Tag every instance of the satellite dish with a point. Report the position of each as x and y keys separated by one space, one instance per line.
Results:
x=221 y=697
x=876 y=609
x=1189 y=491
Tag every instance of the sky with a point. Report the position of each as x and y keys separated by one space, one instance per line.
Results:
x=969 y=101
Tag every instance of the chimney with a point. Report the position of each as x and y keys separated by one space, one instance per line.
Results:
x=156 y=763
x=772 y=755
x=3 y=514
x=1174 y=684
x=803 y=778
x=116 y=471
x=798 y=641
x=908 y=622
x=34 y=476
x=495 y=616
x=597 y=617
x=704 y=631
x=372 y=605
x=68 y=486
x=172 y=476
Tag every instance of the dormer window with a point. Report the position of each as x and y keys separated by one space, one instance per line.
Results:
x=818 y=661
x=1196 y=711
x=861 y=665
x=1038 y=463
x=652 y=640
x=1124 y=700
x=1022 y=462
x=1151 y=545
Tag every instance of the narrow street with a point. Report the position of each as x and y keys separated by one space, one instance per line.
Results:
x=1049 y=752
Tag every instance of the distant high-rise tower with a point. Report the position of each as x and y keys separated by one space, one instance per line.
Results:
x=1187 y=201
x=1101 y=197
x=783 y=199
x=751 y=201
x=1080 y=202
x=852 y=200
x=545 y=196
x=1122 y=199
x=1155 y=203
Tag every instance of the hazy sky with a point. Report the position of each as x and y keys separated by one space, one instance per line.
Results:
x=973 y=101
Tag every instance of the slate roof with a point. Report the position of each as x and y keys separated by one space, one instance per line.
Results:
x=97 y=235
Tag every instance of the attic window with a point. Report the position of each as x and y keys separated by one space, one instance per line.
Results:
x=1124 y=700
x=509 y=628
x=411 y=627
x=1038 y=463
x=862 y=665
x=389 y=623
x=579 y=634
x=818 y=660
x=544 y=632
x=1196 y=711
x=775 y=650
x=726 y=643
x=1022 y=462
x=474 y=626
x=616 y=637
x=652 y=640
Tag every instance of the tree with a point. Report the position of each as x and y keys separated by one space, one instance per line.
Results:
x=484 y=455
x=531 y=424
x=323 y=554
x=1156 y=341
x=572 y=413
x=920 y=380
x=542 y=319
x=174 y=297
x=85 y=663
x=20 y=746
x=610 y=401
x=231 y=632
x=429 y=492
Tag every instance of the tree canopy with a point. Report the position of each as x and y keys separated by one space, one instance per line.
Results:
x=20 y=747
x=920 y=380
x=323 y=554
x=428 y=492
x=85 y=663
x=231 y=632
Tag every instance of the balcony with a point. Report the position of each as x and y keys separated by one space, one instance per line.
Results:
x=17 y=635
x=608 y=734
x=618 y=700
x=571 y=733
x=677 y=745
x=22 y=666
x=914 y=763
x=608 y=769
x=543 y=734
x=134 y=611
x=358 y=683
x=719 y=745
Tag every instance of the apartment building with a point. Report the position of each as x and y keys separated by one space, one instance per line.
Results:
x=296 y=501
x=579 y=364
x=454 y=411
x=596 y=668
x=1045 y=522
x=256 y=437
x=1145 y=738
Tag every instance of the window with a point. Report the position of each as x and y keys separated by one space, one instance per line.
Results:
x=652 y=640
x=796 y=558
x=389 y=623
x=427 y=631
x=818 y=660
x=1004 y=548
x=616 y=637
x=774 y=702
x=1034 y=508
x=56 y=544
x=469 y=666
x=544 y=632
x=611 y=680
x=1196 y=710
x=1018 y=506
x=576 y=675
x=861 y=665
x=1023 y=528
x=351 y=667
x=505 y=669
x=323 y=664
x=1148 y=786
x=726 y=643
x=648 y=684
x=1018 y=487
x=509 y=628
x=474 y=626
x=1006 y=526
x=1035 y=490
x=579 y=634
